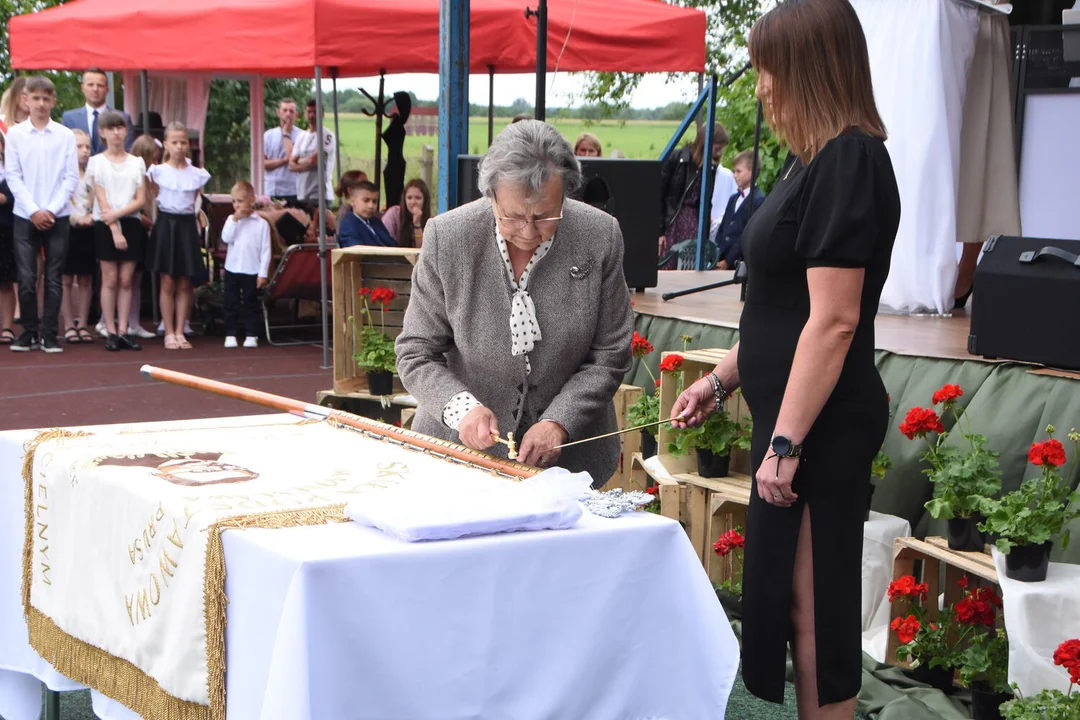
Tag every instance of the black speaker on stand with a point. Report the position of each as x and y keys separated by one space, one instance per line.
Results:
x=1027 y=291
x=629 y=190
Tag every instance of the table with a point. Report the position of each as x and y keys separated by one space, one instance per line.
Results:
x=610 y=619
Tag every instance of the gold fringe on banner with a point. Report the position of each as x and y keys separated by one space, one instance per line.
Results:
x=117 y=678
x=215 y=600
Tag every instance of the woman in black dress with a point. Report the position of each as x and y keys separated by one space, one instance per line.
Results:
x=818 y=253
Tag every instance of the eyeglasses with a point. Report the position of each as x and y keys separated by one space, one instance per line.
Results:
x=519 y=224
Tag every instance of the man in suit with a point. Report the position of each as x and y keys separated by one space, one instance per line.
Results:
x=510 y=329
x=737 y=214
x=95 y=88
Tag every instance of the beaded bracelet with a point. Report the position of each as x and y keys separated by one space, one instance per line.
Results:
x=718 y=389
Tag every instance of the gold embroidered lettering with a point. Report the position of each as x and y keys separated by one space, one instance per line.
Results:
x=42 y=527
x=160 y=513
x=142 y=605
x=188 y=515
x=174 y=536
x=166 y=563
x=129 y=603
x=157 y=588
x=43 y=492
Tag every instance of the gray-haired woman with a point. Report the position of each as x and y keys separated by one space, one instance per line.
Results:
x=520 y=318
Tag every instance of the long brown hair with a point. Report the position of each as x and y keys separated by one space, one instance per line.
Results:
x=406 y=237
x=815 y=51
x=697 y=148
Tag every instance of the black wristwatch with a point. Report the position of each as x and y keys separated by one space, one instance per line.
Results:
x=783 y=447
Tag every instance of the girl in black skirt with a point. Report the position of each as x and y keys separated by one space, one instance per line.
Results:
x=80 y=264
x=7 y=257
x=174 y=241
x=120 y=189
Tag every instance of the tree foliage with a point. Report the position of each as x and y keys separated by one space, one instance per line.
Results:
x=68 y=94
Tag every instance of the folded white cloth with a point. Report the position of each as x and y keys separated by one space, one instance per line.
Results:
x=430 y=509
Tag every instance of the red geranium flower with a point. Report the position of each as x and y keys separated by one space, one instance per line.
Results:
x=905 y=586
x=383 y=295
x=671 y=363
x=727 y=542
x=963 y=582
x=363 y=291
x=947 y=394
x=1051 y=452
x=640 y=345
x=906 y=628
x=1068 y=656
x=658 y=382
x=653 y=490
x=919 y=422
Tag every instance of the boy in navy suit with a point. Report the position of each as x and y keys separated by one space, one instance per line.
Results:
x=361 y=226
x=729 y=232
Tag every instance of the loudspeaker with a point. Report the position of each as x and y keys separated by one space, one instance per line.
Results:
x=629 y=190
x=1026 y=291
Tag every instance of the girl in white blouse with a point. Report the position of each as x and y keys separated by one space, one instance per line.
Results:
x=120 y=190
x=174 y=241
x=80 y=264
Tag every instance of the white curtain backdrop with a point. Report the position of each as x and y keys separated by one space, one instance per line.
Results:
x=174 y=96
x=920 y=54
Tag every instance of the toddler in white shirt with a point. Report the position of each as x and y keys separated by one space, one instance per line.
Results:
x=247 y=264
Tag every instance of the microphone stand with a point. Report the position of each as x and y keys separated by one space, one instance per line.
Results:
x=738 y=279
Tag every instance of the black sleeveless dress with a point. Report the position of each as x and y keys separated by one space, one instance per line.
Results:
x=842 y=210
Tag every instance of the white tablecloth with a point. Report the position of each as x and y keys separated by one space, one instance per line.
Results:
x=879 y=533
x=610 y=619
x=1039 y=617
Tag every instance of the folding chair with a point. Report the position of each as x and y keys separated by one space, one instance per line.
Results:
x=686 y=252
x=297 y=278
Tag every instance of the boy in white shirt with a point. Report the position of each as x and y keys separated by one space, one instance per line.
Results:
x=42 y=171
x=247 y=264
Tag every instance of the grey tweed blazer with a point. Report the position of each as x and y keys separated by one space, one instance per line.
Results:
x=456 y=334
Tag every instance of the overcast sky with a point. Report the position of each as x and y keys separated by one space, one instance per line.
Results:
x=564 y=89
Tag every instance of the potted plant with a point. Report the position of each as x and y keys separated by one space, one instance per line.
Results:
x=964 y=477
x=1028 y=519
x=984 y=667
x=729 y=592
x=1051 y=704
x=375 y=355
x=713 y=440
x=923 y=643
x=647 y=408
x=880 y=465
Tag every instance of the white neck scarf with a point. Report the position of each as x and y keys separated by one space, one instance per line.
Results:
x=524 y=329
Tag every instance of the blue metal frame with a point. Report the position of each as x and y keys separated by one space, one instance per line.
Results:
x=453 y=95
x=690 y=115
x=707 y=175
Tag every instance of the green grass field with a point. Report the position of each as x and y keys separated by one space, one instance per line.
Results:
x=635 y=138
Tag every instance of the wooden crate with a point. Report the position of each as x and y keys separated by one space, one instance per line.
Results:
x=671 y=494
x=625 y=396
x=696 y=364
x=932 y=553
x=712 y=507
x=366 y=267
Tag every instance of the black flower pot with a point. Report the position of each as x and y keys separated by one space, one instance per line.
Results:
x=985 y=703
x=964 y=534
x=936 y=677
x=380 y=383
x=1028 y=563
x=648 y=445
x=731 y=603
x=712 y=466
x=869 y=502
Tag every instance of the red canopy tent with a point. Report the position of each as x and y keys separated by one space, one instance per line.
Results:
x=289 y=38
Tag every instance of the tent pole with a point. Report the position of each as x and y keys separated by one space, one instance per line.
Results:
x=337 y=127
x=379 y=107
x=754 y=171
x=491 y=104
x=540 y=112
x=144 y=101
x=320 y=168
x=707 y=174
x=453 y=96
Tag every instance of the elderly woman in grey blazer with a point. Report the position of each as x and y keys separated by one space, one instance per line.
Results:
x=519 y=318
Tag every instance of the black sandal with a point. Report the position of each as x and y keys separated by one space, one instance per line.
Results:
x=71 y=336
x=85 y=336
x=7 y=336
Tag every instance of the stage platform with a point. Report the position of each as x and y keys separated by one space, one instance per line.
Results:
x=1009 y=402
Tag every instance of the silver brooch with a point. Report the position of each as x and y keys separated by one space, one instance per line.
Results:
x=577 y=272
x=613 y=503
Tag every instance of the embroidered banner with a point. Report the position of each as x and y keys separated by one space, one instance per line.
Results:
x=123 y=567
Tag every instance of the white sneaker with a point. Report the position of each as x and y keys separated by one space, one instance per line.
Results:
x=140 y=331
x=230 y=342
x=101 y=330
x=187 y=328
x=251 y=341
